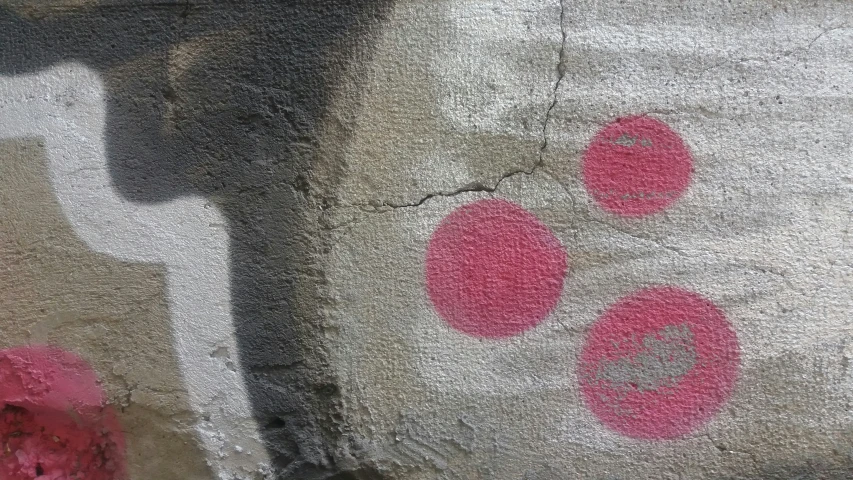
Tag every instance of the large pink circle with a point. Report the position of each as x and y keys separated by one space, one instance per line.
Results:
x=54 y=420
x=659 y=363
x=493 y=269
x=636 y=166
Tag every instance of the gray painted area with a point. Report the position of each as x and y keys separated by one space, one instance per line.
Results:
x=665 y=357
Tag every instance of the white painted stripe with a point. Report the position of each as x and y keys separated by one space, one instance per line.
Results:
x=65 y=105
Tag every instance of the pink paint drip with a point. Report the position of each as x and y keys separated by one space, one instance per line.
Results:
x=55 y=421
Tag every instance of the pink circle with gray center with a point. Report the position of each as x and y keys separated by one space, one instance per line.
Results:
x=659 y=363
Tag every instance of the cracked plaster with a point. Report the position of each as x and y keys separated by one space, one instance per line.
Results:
x=760 y=231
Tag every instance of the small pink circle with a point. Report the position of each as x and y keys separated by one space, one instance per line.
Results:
x=54 y=421
x=636 y=166
x=493 y=269
x=659 y=363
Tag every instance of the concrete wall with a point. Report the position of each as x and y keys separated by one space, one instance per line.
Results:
x=443 y=239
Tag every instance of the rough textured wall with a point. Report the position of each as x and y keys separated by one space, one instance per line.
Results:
x=178 y=140
x=424 y=239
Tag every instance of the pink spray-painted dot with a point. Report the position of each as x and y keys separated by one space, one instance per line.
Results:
x=636 y=166
x=493 y=269
x=659 y=363
x=55 y=421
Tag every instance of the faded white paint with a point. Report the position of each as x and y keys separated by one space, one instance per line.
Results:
x=65 y=106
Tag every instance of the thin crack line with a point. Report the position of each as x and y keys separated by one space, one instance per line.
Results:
x=479 y=186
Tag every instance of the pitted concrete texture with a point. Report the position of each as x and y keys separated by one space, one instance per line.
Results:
x=470 y=100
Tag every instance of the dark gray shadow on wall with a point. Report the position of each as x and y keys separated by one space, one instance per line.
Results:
x=223 y=100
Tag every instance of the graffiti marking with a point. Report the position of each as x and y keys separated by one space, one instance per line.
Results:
x=54 y=421
x=493 y=269
x=184 y=234
x=636 y=166
x=659 y=363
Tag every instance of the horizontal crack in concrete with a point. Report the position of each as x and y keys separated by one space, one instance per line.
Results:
x=479 y=186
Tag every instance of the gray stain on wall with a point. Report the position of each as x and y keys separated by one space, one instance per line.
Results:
x=664 y=357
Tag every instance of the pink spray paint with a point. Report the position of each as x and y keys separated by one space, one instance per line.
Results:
x=55 y=421
x=493 y=269
x=636 y=166
x=659 y=363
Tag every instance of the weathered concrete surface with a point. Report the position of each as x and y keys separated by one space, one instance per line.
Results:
x=113 y=314
x=213 y=104
x=226 y=210
x=472 y=100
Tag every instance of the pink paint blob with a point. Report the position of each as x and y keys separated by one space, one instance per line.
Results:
x=55 y=421
x=493 y=269
x=659 y=363
x=636 y=166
